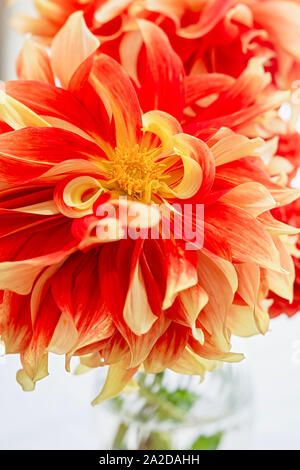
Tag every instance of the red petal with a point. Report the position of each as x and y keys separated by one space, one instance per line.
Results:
x=28 y=153
x=163 y=80
x=122 y=98
x=167 y=349
x=48 y=100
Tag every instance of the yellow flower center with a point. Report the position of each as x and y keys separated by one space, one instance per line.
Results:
x=135 y=171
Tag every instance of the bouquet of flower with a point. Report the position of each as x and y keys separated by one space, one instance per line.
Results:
x=147 y=209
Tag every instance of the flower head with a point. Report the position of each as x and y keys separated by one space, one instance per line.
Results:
x=70 y=154
x=214 y=36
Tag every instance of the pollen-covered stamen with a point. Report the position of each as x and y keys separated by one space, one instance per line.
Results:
x=136 y=171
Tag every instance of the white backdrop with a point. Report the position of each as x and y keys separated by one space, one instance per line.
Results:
x=58 y=414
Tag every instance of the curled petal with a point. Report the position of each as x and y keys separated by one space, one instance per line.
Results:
x=132 y=41
x=75 y=197
x=25 y=381
x=240 y=103
x=39 y=290
x=198 y=163
x=181 y=271
x=161 y=124
x=115 y=263
x=252 y=81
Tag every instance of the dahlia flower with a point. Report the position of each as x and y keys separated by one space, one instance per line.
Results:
x=71 y=153
x=217 y=36
x=203 y=101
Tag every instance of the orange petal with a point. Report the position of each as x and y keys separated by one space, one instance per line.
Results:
x=216 y=279
x=213 y=12
x=42 y=27
x=249 y=282
x=286 y=14
x=167 y=349
x=64 y=337
x=119 y=375
x=238 y=224
x=201 y=86
x=34 y=63
x=246 y=321
x=137 y=311
x=71 y=47
x=285 y=196
x=254 y=198
x=162 y=87
x=181 y=274
x=283 y=283
x=121 y=97
x=234 y=147
x=190 y=363
x=35 y=357
x=18 y=116
x=193 y=301
x=109 y=10
x=19 y=276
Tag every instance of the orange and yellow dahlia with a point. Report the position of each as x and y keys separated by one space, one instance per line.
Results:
x=72 y=282
x=216 y=36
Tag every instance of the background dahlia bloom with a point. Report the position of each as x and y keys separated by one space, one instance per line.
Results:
x=213 y=36
x=65 y=287
x=234 y=56
x=290 y=215
x=203 y=101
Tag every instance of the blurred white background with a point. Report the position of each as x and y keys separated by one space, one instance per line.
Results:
x=58 y=415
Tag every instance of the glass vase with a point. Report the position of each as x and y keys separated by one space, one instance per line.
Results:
x=169 y=411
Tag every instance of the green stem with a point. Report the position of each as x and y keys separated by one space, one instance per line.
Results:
x=164 y=405
x=118 y=443
x=157 y=441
